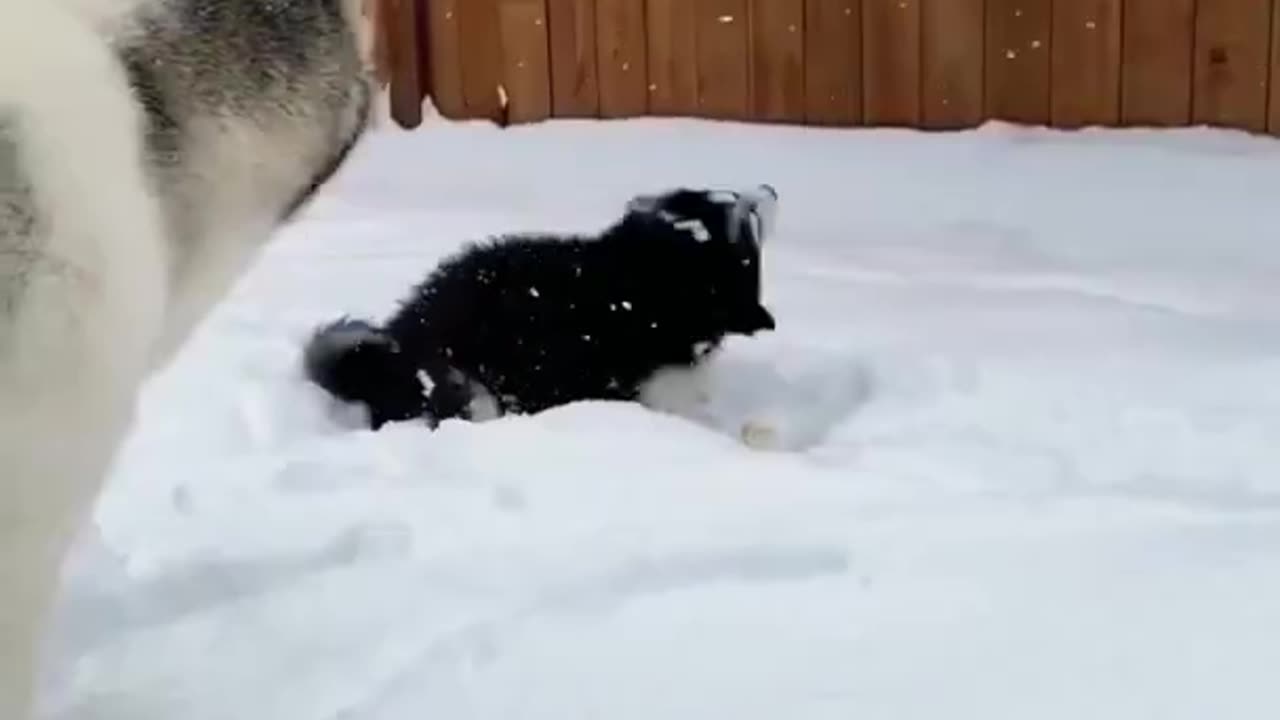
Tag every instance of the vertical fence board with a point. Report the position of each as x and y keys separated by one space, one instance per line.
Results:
x=724 y=87
x=1232 y=60
x=574 y=87
x=673 y=58
x=481 y=55
x=407 y=89
x=622 y=58
x=891 y=62
x=444 y=55
x=1086 y=63
x=1273 y=119
x=422 y=14
x=374 y=12
x=526 y=71
x=952 y=34
x=833 y=62
x=777 y=60
x=1157 y=50
x=1017 y=67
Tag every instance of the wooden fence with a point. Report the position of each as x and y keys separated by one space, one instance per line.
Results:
x=939 y=64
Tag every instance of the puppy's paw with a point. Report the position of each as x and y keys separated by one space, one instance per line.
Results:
x=760 y=435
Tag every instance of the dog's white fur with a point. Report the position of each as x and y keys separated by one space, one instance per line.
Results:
x=100 y=294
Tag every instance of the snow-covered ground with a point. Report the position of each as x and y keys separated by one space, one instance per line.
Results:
x=1026 y=389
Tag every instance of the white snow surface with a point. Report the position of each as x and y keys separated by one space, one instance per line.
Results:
x=1025 y=400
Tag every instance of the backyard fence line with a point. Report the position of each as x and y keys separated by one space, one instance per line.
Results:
x=934 y=64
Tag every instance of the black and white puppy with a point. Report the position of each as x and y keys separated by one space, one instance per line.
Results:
x=525 y=322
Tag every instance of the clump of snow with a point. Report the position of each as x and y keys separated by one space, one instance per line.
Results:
x=1012 y=453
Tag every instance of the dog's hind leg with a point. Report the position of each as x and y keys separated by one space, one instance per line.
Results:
x=82 y=297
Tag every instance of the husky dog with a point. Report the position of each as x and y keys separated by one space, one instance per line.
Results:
x=523 y=323
x=148 y=148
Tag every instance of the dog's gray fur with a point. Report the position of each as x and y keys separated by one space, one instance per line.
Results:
x=148 y=148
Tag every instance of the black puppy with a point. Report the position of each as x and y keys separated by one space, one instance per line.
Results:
x=522 y=323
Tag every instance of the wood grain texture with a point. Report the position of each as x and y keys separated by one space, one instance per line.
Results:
x=777 y=60
x=482 y=57
x=1232 y=63
x=526 y=68
x=1086 y=63
x=1017 y=66
x=575 y=88
x=833 y=62
x=444 y=58
x=891 y=62
x=622 y=58
x=723 y=39
x=375 y=13
x=1273 y=109
x=921 y=63
x=673 y=58
x=407 y=84
x=952 y=56
x=1156 y=67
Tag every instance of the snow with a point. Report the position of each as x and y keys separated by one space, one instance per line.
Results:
x=1022 y=422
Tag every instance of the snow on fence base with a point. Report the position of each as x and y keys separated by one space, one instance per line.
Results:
x=935 y=64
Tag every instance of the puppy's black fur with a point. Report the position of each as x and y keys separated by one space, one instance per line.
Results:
x=537 y=321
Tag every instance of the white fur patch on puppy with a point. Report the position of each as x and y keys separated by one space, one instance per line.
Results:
x=694 y=228
x=483 y=406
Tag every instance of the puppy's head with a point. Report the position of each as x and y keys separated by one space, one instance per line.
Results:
x=715 y=215
x=726 y=230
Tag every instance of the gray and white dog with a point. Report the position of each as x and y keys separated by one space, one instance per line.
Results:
x=148 y=148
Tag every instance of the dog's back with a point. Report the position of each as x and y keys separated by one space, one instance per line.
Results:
x=545 y=320
x=147 y=149
x=250 y=107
